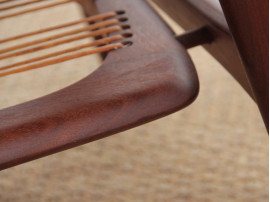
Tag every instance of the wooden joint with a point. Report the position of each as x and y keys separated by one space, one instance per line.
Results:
x=196 y=37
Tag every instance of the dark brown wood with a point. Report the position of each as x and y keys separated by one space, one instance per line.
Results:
x=196 y=37
x=249 y=23
x=194 y=14
x=147 y=80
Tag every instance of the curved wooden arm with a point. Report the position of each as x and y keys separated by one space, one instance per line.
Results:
x=137 y=84
x=194 y=14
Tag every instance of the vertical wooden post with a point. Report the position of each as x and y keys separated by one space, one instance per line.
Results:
x=249 y=23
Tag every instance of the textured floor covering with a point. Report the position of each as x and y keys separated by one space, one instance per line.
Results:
x=214 y=150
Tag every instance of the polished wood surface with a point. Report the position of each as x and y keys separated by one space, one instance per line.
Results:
x=193 y=15
x=150 y=78
x=249 y=24
x=196 y=37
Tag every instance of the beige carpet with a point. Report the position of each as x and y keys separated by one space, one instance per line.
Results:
x=214 y=150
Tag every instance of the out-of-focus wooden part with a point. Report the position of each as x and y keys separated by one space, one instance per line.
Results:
x=249 y=24
x=196 y=37
x=194 y=14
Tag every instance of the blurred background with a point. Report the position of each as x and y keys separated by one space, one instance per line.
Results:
x=214 y=150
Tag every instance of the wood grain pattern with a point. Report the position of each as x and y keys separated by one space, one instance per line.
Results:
x=194 y=14
x=249 y=23
x=147 y=80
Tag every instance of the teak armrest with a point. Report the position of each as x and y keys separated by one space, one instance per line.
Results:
x=147 y=80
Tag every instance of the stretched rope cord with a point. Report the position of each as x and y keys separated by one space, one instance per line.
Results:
x=36 y=8
x=50 y=38
x=7 y=1
x=95 y=43
x=89 y=20
x=20 y=5
x=99 y=26
x=65 y=58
